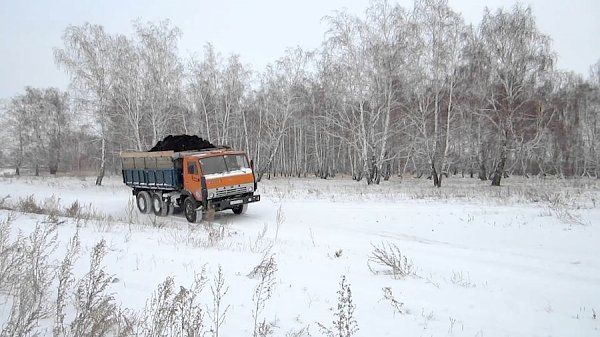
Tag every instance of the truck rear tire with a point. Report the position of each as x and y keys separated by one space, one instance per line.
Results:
x=143 y=202
x=159 y=206
x=189 y=209
x=240 y=209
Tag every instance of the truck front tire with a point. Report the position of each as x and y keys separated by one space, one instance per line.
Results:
x=189 y=209
x=143 y=202
x=240 y=209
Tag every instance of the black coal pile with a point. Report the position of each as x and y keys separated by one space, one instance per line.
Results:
x=181 y=143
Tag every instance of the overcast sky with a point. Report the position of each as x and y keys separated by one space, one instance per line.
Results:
x=258 y=30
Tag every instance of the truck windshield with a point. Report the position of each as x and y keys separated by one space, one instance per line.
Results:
x=223 y=164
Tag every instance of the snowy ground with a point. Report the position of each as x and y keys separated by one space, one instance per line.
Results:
x=520 y=260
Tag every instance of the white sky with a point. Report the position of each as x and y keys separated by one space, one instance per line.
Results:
x=258 y=30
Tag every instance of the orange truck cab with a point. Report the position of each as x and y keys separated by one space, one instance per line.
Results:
x=203 y=181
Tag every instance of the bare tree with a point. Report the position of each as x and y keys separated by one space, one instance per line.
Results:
x=441 y=37
x=279 y=100
x=202 y=91
x=517 y=58
x=127 y=91
x=38 y=120
x=86 y=58
x=162 y=75
x=388 y=91
x=592 y=124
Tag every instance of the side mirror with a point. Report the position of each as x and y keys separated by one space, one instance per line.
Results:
x=252 y=164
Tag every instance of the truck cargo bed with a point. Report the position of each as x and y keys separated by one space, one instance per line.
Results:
x=160 y=179
x=160 y=170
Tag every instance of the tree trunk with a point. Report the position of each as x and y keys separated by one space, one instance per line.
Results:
x=387 y=172
x=434 y=176
x=365 y=149
x=482 y=171
x=386 y=131
x=499 y=173
x=447 y=136
x=102 y=163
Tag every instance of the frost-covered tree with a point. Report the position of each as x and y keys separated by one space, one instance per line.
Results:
x=281 y=98
x=86 y=56
x=38 y=121
x=440 y=41
x=517 y=59
x=161 y=75
x=366 y=60
x=389 y=91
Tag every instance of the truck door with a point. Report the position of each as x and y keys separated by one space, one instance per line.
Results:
x=191 y=177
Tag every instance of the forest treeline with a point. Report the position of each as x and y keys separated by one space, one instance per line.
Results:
x=393 y=91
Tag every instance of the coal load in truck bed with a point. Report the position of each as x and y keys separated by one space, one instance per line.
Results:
x=181 y=143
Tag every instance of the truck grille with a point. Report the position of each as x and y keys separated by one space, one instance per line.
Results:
x=230 y=191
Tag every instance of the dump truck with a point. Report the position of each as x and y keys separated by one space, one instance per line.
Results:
x=198 y=182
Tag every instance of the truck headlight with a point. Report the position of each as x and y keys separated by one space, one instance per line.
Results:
x=250 y=188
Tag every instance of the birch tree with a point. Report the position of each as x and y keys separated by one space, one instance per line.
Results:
x=202 y=91
x=389 y=36
x=86 y=58
x=162 y=75
x=517 y=58
x=441 y=40
x=280 y=99
x=127 y=93
x=38 y=121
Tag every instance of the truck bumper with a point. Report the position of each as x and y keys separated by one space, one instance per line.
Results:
x=219 y=205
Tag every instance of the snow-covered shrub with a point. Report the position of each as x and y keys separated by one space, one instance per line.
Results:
x=211 y=236
x=174 y=313
x=126 y=323
x=216 y=234
x=279 y=220
x=389 y=256
x=389 y=297
x=159 y=314
x=95 y=308
x=29 y=205
x=74 y=210
x=261 y=244
x=218 y=290
x=265 y=273
x=563 y=206
x=264 y=329
x=10 y=259
x=65 y=282
x=344 y=323
x=461 y=279
x=299 y=333
x=31 y=280
x=132 y=214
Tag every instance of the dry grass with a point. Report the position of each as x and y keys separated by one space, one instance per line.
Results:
x=389 y=257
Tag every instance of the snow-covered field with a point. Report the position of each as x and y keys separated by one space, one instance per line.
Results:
x=519 y=260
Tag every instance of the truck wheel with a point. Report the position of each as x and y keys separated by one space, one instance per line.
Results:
x=159 y=206
x=143 y=202
x=189 y=209
x=240 y=209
